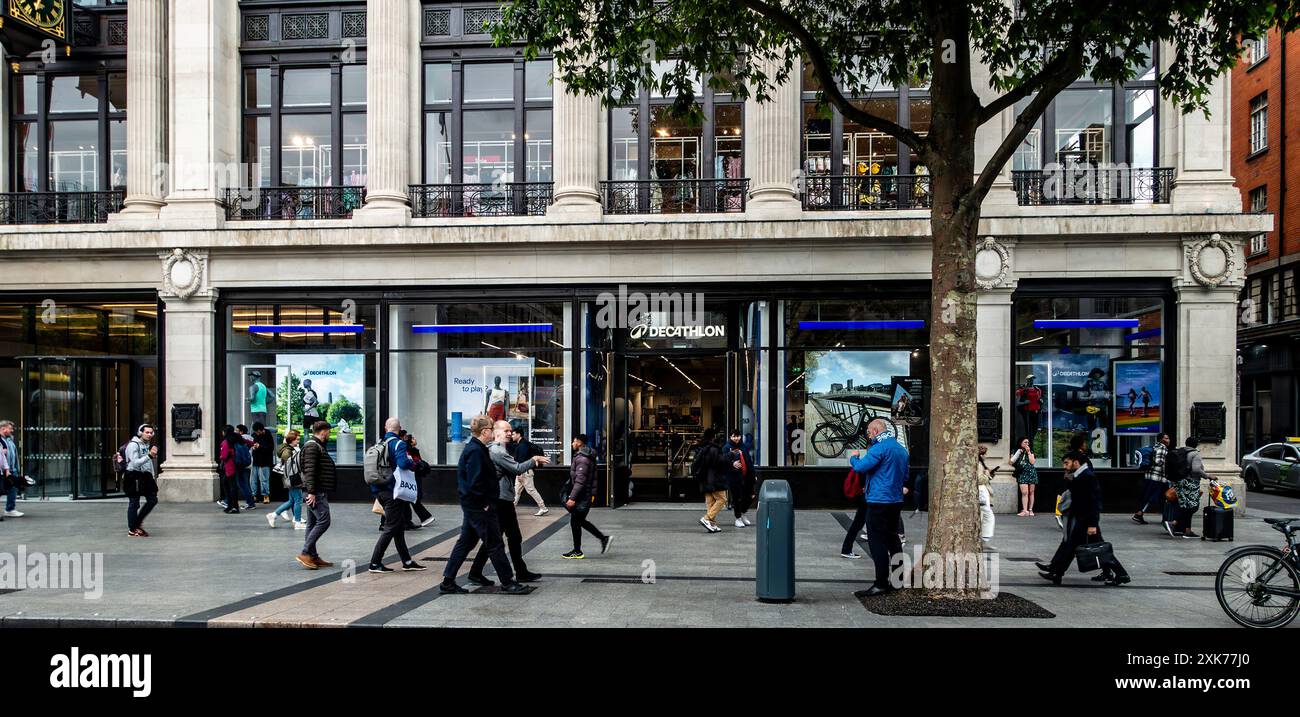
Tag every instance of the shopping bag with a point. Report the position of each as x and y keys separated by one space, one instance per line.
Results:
x=404 y=485
x=377 y=508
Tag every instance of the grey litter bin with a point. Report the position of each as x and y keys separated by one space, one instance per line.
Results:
x=775 y=553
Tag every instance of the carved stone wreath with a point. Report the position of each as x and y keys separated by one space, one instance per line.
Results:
x=183 y=273
x=1212 y=261
x=992 y=263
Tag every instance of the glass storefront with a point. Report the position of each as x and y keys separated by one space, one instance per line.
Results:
x=1093 y=365
x=77 y=376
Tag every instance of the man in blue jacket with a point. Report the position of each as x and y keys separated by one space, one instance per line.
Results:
x=397 y=513
x=884 y=471
x=476 y=482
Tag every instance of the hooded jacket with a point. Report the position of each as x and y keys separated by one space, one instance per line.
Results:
x=582 y=475
x=883 y=469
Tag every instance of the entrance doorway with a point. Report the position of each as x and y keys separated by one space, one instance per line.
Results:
x=75 y=414
x=668 y=402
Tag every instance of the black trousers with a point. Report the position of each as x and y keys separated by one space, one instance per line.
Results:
x=230 y=485
x=397 y=513
x=480 y=525
x=882 y=537
x=742 y=495
x=509 y=522
x=578 y=522
x=421 y=512
x=859 y=519
x=1076 y=535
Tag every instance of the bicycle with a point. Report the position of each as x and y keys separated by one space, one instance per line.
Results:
x=1259 y=585
x=831 y=439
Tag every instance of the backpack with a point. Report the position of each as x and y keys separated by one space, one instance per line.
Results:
x=853 y=484
x=699 y=470
x=377 y=466
x=243 y=456
x=1177 y=465
x=1143 y=457
x=119 y=461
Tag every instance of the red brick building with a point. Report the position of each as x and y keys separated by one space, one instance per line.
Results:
x=1266 y=165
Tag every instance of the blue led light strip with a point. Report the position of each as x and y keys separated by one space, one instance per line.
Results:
x=306 y=329
x=1085 y=323
x=1139 y=335
x=477 y=328
x=867 y=325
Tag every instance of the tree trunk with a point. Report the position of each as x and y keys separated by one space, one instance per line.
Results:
x=954 y=513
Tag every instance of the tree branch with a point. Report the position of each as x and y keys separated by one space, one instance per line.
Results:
x=830 y=89
x=1023 y=90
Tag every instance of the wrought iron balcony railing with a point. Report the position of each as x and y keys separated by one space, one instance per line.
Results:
x=854 y=193
x=60 y=207
x=481 y=200
x=293 y=202
x=674 y=196
x=1093 y=185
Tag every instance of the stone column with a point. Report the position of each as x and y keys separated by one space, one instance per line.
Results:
x=189 y=311
x=146 y=127
x=772 y=150
x=1207 y=295
x=1200 y=150
x=388 y=114
x=577 y=154
x=993 y=273
x=203 y=96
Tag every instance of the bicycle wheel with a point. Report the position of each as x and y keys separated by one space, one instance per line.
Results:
x=1246 y=587
x=829 y=440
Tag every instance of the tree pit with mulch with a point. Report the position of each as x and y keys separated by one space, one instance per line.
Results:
x=919 y=603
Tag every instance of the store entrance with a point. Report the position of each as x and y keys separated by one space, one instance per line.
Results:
x=76 y=412
x=669 y=400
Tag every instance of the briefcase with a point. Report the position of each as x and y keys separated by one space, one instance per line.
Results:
x=1093 y=555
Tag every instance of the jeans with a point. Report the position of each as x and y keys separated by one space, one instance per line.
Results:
x=11 y=499
x=578 y=522
x=479 y=524
x=882 y=537
x=243 y=474
x=294 y=502
x=318 y=521
x=859 y=519
x=509 y=521
x=261 y=483
x=134 y=514
x=714 y=501
x=397 y=513
x=1076 y=535
x=1153 y=495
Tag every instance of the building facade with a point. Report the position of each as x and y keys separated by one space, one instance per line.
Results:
x=1266 y=163
x=305 y=222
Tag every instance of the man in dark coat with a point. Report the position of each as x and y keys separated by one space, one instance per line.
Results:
x=1083 y=524
x=577 y=497
x=710 y=468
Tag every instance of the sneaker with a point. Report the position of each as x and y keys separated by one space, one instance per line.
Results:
x=542 y=511
x=30 y=480
x=250 y=506
x=863 y=537
x=142 y=532
x=427 y=522
x=306 y=561
x=1189 y=534
x=14 y=514
x=713 y=528
x=380 y=569
x=270 y=519
x=299 y=525
x=1137 y=518
x=223 y=504
x=706 y=524
x=851 y=556
x=1168 y=528
x=740 y=523
x=479 y=580
x=516 y=589
x=605 y=542
x=451 y=588
x=902 y=539
x=1119 y=580
x=133 y=533
x=573 y=555
x=745 y=518
x=286 y=516
x=320 y=563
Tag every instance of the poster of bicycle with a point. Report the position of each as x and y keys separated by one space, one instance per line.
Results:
x=845 y=391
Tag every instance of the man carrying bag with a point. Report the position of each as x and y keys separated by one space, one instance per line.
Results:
x=1082 y=529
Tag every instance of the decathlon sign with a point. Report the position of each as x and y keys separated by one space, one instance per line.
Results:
x=647 y=331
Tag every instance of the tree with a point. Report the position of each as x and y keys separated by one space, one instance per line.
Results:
x=287 y=398
x=1031 y=50
x=343 y=409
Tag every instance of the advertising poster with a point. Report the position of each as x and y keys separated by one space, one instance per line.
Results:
x=543 y=423
x=845 y=391
x=1032 y=417
x=907 y=409
x=328 y=387
x=1080 y=402
x=1137 y=397
x=499 y=388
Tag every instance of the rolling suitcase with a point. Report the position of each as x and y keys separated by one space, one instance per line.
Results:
x=1217 y=524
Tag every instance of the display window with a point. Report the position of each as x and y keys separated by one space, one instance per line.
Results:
x=1090 y=368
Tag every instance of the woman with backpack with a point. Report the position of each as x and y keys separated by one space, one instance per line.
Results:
x=1026 y=475
x=229 y=472
x=290 y=457
x=1184 y=469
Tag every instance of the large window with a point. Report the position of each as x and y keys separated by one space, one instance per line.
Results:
x=1091 y=365
x=68 y=131
x=487 y=121
x=304 y=126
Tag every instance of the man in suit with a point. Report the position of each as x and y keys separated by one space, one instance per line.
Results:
x=479 y=490
x=1083 y=524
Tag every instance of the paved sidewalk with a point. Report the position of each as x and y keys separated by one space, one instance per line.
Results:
x=203 y=567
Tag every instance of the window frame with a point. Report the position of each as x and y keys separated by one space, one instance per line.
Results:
x=903 y=117
x=42 y=119
x=1257 y=135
